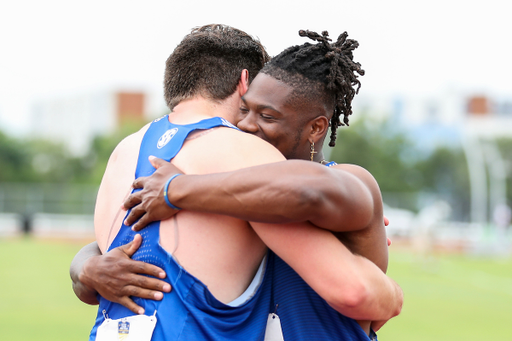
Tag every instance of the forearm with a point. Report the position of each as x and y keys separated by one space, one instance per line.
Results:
x=351 y=284
x=282 y=192
x=375 y=296
x=83 y=292
x=254 y=194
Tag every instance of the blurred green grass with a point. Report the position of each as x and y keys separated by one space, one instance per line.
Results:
x=36 y=298
x=451 y=297
x=447 y=297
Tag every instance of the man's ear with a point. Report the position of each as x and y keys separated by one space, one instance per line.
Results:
x=318 y=128
x=243 y=84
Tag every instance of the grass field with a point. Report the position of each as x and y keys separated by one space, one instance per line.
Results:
x=446 y=297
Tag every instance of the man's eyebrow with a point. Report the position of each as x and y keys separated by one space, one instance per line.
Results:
x=262 y=106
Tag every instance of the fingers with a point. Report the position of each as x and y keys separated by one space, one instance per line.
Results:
x=386 y=223
x=130 y=266
x=138 y=291
x=148 y=269
x=143 y=285
x=135 y=214
x=141 y=223
x=157 y=162
x=132 y=200
x=139 y=182
x=132 y=246
x=130 y=304
x=134 y=291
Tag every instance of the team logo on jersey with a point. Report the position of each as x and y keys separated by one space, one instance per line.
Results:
x=123 y=329
x=226 y=123
x=166 y=137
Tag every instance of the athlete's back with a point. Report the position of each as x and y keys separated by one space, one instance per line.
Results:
x=222 y=252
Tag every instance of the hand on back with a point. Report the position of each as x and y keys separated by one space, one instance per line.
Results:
x=116 y=277
x=149 y=204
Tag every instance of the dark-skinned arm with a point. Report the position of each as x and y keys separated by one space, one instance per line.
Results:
x=288 y=191
x=345 y=198
x=83 y=292
x=115 y=276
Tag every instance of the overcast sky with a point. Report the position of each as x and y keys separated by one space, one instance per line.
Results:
x=56 y=48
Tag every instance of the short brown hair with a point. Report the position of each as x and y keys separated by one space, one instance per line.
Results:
x=209 y=62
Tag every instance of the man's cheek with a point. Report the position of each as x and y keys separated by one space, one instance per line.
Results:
x=238 y=119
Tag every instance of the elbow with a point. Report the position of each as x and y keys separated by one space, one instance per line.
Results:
x=350 y=301
x=399 y=300
x=360 y=302
x=84 y=294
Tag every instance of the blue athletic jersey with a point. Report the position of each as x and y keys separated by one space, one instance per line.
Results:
x=189 y=311
x=303 y=313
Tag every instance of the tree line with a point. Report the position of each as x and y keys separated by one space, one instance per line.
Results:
x=398 y=164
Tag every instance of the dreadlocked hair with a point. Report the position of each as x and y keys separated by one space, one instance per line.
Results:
x=323 y=71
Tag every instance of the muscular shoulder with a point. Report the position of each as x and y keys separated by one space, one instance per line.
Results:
x=359 y=172
x=226 y=149
x=368 y=182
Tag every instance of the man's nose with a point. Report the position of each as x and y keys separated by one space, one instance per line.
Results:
x=248 y=124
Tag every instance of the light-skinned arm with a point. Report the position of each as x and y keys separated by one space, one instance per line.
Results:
x=351 y=284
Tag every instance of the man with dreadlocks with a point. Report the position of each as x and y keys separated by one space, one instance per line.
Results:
x=291 y=104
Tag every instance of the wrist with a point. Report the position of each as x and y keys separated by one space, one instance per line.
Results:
x=166 y=192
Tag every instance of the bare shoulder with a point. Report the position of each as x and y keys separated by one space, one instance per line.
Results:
x=225 y=149
x=115 y=185
x=361 y=173
x=245 y=144
x=128 y=146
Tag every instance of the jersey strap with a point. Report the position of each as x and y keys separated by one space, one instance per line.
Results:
x=161 y=132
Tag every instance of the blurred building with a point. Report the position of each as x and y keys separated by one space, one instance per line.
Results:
x=76 y=120
x=445 y=119
x=489 y=117
x=471 y=122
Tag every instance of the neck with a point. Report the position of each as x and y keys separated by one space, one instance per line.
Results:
x=319 y=157
x=198 y=108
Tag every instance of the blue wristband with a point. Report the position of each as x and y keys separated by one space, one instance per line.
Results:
x=166 y=189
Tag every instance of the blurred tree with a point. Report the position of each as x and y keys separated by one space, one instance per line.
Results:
x=445 y=173
x=49 y=162
x=95 y=162
x=14 y=160
x=405 y=173
x=33 y=161
x=383 y=150
x=505 y=147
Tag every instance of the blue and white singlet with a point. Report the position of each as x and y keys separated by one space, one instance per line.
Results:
x=189 y=311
